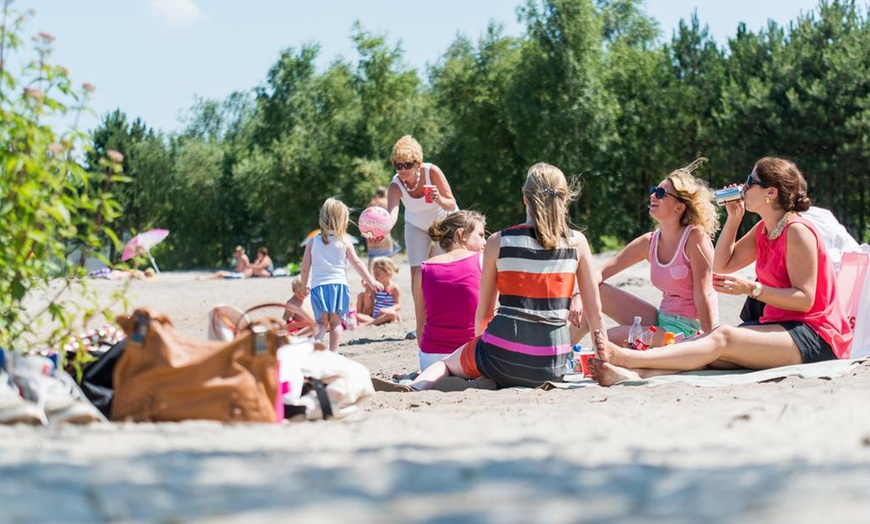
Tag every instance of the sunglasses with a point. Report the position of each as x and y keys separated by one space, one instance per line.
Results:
x=751 y=181
x=660 y=193
x=401 y=166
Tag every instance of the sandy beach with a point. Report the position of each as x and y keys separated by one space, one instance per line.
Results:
x=793 y=450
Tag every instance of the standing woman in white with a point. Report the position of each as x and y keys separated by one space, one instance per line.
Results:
x=425 y=192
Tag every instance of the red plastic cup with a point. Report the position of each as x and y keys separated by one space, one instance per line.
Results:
x=427 y=193
x=584 y=361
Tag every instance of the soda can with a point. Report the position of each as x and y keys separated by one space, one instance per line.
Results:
x=728 y=194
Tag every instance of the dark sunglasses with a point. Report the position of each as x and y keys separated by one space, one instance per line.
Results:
x=750 y=181
x=401 y=166
x=660 y=193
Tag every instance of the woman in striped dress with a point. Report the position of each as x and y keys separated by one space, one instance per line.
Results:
x=531 y=271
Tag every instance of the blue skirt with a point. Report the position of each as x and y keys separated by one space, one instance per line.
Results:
x=330 y=298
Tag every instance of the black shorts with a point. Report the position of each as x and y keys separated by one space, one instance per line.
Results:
x=813 y=348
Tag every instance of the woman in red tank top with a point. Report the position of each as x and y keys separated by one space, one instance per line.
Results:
x=803 y=319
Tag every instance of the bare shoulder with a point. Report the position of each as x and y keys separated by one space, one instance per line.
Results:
x=800 y=234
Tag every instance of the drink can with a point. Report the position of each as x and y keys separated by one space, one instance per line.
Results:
x=728 y=194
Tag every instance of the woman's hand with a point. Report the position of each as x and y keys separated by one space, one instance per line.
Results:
x=575 y=311
x=735 y=208
x=731 y=285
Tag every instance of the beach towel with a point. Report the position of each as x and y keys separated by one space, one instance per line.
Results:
x=716 y=378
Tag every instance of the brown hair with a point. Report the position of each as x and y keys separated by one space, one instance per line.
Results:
x=444 y=231
x=696 y=196
x=548 y=195
x=787 y=179
x=407 y=149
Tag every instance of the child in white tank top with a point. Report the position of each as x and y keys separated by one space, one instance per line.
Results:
x=325 y=262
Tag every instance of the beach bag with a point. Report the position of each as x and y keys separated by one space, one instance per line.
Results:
x=320 y=384
x=165 y=376
x=853 y=285
x=96 y=381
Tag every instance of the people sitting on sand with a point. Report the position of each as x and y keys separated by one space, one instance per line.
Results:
x=376 y=307
x=530 y=270
x=263 y=265
x=803 y=320
x=386 y=246
x=449 y=286
x=678 y=252
x=241 y=269
x=296 y=321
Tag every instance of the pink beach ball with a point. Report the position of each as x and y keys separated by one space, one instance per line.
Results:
x=374 y=222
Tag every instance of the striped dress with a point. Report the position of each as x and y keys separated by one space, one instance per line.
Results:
x=527 y=342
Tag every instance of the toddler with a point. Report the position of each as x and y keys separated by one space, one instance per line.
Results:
x=295 y=321
x=375 y=307
x=325 y=263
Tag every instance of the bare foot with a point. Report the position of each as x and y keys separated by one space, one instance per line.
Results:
x=606 y=374
x=607 y=350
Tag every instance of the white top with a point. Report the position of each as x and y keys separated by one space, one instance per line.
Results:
x=328 y=261
x=418 y=212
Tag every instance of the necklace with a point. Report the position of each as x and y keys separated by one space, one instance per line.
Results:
x=416 y=184
x=780 y=226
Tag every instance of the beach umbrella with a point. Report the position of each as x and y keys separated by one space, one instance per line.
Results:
x=142 y=243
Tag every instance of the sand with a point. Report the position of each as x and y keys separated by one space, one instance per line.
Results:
x=795 y=450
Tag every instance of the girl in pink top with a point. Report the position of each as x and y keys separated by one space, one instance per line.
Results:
x=803 y=319
x=678 y=252
x=449 y=286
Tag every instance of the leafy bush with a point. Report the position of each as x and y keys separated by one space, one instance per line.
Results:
x=50 y=206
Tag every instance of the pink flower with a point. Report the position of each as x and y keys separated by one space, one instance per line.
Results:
x=89 y=87
x=55 y=148
x=46 y=37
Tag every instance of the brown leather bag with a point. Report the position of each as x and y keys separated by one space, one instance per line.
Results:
x=165 y=376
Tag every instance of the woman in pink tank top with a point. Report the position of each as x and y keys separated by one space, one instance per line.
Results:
x=449 y=286
x=678 y=252
x=803 y=319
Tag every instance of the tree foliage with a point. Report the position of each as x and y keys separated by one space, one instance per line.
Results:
x=592 y=87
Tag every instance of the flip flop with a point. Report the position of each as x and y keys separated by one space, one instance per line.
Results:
x=390 y=386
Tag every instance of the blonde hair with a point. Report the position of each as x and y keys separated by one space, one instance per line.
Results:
x=548 y=194
x=696 y=196
x=334 y=217
x=444 y=231
x=385 y=264
x=407 y=149
x=296 y=284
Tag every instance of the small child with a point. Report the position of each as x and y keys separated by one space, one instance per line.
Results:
x=375 y=307
x=325 y=262
x=294 y=320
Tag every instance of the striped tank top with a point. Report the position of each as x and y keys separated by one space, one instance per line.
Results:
x=527 y=342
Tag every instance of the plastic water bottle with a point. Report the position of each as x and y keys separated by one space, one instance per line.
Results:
x=573 y=361
x=635 y=332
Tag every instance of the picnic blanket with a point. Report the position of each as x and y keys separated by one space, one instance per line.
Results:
x=717 y=378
